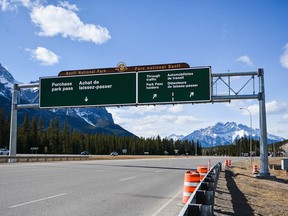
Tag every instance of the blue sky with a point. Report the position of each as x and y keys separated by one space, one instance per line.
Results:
x=42 y=38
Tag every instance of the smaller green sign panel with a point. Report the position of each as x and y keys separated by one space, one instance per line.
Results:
x=182 y=85
x=94 y=90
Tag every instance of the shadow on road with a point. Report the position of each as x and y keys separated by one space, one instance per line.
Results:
x=239 y=201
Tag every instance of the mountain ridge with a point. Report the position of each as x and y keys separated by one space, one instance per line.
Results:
x=225 y=134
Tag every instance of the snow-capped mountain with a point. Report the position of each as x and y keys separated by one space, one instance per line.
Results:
x=225 y=134
x=90 y=120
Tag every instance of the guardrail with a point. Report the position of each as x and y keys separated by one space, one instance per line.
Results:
x=201 y=201
x=41 y=158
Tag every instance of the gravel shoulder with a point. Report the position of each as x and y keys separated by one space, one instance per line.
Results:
x=240 y=193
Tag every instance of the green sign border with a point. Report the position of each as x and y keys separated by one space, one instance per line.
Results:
x=128 y=91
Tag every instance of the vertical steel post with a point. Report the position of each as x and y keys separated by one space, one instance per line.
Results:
x=264 y=171
x=250 y=138
x=13 y=124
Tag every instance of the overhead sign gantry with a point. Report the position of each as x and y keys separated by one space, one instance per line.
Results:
x=142 y=85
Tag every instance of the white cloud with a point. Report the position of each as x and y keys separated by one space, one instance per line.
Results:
x=11 y=5
x=182 y=120
x=144 y=110
x=275 y=107
x=66 y=4
x=245 y=59
x=56 y=20
x=151 y=121
x=147 y=109
x=272 y=108
x=6 y=5
x=44 y=56
x=59 y=20
x=284 y=57
x=285 y=117
x=175 y=109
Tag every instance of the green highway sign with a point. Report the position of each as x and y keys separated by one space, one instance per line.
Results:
x=172 y=86
x=94 y=90
x=184 y=85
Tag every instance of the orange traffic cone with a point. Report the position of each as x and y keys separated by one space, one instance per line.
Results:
x=229 y=163
x=226 y=163
x=255 y=169
x=202 y=170
x=191 y=181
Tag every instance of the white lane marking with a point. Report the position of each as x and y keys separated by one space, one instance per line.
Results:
x=167 y=203
x=38 y=200
x=158 y=171
x=125 y=179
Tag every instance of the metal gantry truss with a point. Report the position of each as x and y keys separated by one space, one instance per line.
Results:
x=231 y=92
x=222 y=90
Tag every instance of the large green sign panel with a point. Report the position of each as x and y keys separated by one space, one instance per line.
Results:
x=181 y=85
x=127 y=88
x=94 y=90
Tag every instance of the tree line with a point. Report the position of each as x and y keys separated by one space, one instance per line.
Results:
x=57 y=139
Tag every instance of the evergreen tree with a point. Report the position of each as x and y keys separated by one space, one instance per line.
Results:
x=66 y=140
x=51 y=137
x=4 y=130
x=23 y=145
x=34 y=133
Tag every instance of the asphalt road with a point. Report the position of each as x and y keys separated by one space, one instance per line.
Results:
x=116 y=187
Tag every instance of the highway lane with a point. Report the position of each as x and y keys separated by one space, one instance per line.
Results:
x=110 y=187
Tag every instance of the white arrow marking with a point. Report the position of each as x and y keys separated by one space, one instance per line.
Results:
x=191 y=94
x=154 y=96
x=86 y=99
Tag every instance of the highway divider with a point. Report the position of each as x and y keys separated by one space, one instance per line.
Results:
x=201 y=202
x=42 y=158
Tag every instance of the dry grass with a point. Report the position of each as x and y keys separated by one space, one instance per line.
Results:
x=246 y=195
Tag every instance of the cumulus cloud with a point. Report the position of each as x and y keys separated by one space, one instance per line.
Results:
x=6 y=5
x=158 y=120
x=44 y=56
x=56 y=20
x=11 y=5
x=272 y=107
x=285 y=117
x=66 y=4
x=275 y=107
x=245 y=59
x=60 y=20
x=175 y=109
x=284 y=57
